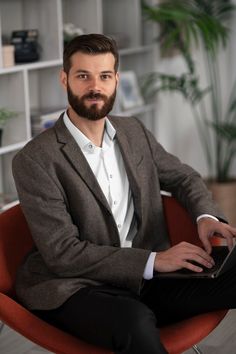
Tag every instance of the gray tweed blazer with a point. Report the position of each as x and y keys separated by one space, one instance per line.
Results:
x=76 y=237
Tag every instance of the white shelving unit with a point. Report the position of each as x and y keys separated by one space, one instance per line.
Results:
x=31 y=87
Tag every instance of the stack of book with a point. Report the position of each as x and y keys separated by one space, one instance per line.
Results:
x=41 y=120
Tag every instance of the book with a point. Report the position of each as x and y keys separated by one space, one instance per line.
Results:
x=42 y=120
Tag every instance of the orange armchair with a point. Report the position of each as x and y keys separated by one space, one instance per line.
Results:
x=16 y=241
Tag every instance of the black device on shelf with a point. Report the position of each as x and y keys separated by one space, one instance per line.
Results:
x=26 y=45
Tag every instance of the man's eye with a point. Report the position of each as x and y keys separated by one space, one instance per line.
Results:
x=105 y=77
x=82 y=76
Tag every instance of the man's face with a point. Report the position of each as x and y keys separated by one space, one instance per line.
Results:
x=91 y=84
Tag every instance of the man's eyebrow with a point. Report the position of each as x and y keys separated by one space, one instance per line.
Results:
x=82 y=71
x=107 y=72
x=88 y=72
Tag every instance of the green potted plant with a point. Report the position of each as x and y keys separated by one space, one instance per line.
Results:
x=184 y=24
x=5 y=114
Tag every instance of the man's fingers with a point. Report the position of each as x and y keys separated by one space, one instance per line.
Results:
x=192 y=267
x=193 y=256
x=203 y=259
x=207 y=245
x=229 y=239
x=232 y=230
x=208 y=227
x=190 y=250
x=227 y=232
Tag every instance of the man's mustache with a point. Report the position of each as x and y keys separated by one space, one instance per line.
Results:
x=95 y=95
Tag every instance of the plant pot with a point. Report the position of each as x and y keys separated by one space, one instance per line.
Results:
x=225 y=195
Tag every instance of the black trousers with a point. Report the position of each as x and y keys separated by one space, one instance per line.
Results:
x=128 y=324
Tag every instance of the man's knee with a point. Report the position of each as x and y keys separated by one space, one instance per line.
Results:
x=133 y=313
x=136 y=331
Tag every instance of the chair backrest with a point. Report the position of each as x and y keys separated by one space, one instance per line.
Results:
x=15 y=242
x=180 y=225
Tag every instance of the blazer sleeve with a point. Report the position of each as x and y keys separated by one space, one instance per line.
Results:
x=183 y=182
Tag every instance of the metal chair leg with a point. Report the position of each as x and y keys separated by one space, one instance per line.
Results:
x=196 y=349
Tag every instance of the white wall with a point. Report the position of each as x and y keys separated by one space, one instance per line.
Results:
x=176 y=129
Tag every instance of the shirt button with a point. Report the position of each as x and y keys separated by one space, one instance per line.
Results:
x=90 y=146
x=110 y=175
x=119 y=226
x=115 y=202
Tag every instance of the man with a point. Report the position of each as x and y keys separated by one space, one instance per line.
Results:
x=90 y=190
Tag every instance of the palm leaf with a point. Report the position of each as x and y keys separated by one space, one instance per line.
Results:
x=225 y=130
x=191 y=20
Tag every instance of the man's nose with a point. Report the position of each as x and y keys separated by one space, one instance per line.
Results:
x=95 y=84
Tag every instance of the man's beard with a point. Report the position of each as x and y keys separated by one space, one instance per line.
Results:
x=92 y=112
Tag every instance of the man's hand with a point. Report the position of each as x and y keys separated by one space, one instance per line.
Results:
x=207 y=227
x=180 y=256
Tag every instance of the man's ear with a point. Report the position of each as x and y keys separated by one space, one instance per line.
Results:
x=117 y=78
x=63 y=79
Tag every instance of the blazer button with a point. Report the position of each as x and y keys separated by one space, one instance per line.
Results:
x=116 y=244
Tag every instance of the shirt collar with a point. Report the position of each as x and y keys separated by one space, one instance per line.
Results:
x=81 y=139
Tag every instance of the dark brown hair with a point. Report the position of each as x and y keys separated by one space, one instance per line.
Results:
x=90 y=44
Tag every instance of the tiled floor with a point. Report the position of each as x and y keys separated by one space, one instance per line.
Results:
x=13 y=343
x=221 y=341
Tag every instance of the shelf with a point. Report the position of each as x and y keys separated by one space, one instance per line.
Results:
x=44 y=64
x=31 y=66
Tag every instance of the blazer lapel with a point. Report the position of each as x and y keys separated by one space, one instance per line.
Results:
x=131 y=162
x=74 y=154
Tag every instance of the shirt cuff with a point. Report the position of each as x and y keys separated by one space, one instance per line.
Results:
x=149 y=268
x=206 y=216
